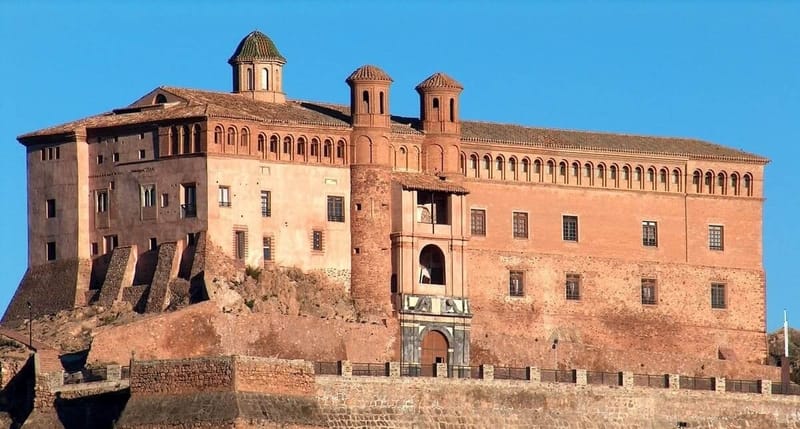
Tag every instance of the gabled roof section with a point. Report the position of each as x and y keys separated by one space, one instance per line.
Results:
x=439 y=80
x=256 y=46
x=427 y=182
x=369 y=72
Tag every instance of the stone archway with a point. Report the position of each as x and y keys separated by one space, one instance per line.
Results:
x=434 y=350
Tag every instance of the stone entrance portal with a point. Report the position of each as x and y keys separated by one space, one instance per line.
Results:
x=434 y=350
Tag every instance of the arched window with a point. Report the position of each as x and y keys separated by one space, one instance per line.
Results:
x=748 y=185
x=435 y=102
x=301 y=146
x=512 y=167
x=160 y=99
x=709 y=182
x=637 y=176
x=261 y=141
x=186 y=139
x=721 y=181
x=287 y=145
x=217 y=135
x=273 y=144
x=231 y=136
x=174 y=145
x=473 y=165
x=452 y=110
x=382 y=102
x=431 y=265
x=562 y=169
x=462 y=162
x=612 y=173
x=264 y=79
x=487 y=166
x=250 y=84
x=197 y=141
x=587 y=170
x=498 y=165
x=327 y=148
x=676 y=179
x=651 y=177
x=537 y=167
x=315 y=147
x=340 y=149
x=735 y=183
x=365 y=101
x=245 y=137
x=601 y=174
x=576 y=168
x=403 y=161
x=526 y=169
x=696 y=176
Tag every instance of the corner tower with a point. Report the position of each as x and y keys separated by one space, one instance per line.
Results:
x=258 y=69
x=370 y=182
x=439 y=116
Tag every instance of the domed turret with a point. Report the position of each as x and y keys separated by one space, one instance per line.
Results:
x=439 y=104
x=369 y=97
x=258 y=68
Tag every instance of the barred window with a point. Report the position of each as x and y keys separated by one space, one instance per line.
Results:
x=240 y=244
x=716 y=237
x=335 y=209
x=520 y=221
x=478 y=222
x=267 y=246
x=649 y=233
x=717 y=295
x=649 y=291
x=266 y=203
x=224 y=196
x=573 y=287
x=570 y=228
x=516 y=281
x=316 y=240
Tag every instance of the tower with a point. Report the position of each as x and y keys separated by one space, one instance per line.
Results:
x=439 y=116
x=258 y=69
x=370 y=183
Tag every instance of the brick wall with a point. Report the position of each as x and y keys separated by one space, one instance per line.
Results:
x=182 y=376
x=267 y=375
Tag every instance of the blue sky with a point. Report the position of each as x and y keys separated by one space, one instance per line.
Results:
x=728 y=72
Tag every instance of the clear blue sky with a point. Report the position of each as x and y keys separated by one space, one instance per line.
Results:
x=719 y=71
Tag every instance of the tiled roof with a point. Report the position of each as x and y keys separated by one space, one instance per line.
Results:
x=226 y=105
x=439 y=80
x=549 y=138
x=427 y=182
x=368 y=72
x=256 y=46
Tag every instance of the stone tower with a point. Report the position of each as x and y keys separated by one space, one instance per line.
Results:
x=258 y=69
x=439 y=116
x=370 y=181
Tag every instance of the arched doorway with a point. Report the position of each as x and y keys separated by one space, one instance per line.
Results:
x=431 y=265
x=434 y=350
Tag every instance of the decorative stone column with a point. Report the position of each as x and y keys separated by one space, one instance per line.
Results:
x=580 y=377
x=628 y=379
x=487 y=372
x=534 y=374
x=674 y=381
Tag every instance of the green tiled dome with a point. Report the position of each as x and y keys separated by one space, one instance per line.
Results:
x=256 y=46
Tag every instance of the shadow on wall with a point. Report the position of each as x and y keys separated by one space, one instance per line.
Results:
x=99 y=270
x=16 y=400
x=91 y=412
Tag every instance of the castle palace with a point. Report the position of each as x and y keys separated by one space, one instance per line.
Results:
x=482 y=241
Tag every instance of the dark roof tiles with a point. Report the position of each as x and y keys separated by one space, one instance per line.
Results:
x=427 y=182
x=256 y=46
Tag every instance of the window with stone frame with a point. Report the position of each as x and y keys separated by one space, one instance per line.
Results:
x=649 y=291
x=718 y=295
x=224 y=196
x=573 y=287
x=716 y=237
x=148 y=195
x=101 y=205
x=478 y=222
x=266 y=203
x=570 y=228
x=516 y=283
x=335 y=208
x=649 y=233
x=316 y=240
x=520 y=224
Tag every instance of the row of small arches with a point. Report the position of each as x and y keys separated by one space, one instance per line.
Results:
x=285 y=148
x=185 y=139
x=589 y=174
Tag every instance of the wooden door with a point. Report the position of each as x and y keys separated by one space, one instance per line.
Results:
x=434 y=350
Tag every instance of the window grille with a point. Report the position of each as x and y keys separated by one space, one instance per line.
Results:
x=520 y=221
x=570 y=228
x=515 y=283
x=573 y=287
x=266 y=204
x=717 y=295
x=649 y=291
x=716 y=237
x=649 y=233
x=335 y=209
x=478 y=222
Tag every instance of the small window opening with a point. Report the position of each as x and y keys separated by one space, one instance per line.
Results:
x=432 y=207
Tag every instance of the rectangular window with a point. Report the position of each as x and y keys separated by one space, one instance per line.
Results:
x=99 y=159
x=115 y=157
x=153 y=243
x=189 y=203
x=649 y=233
x=717 y=295
x=266 y=204
x=649 y=291
x=164 y=200
x=316 y=240
x=516 y=282
x=51 y=250
x=335 y=209
x=267 y=244
x=573 y=287
x=110 y=242
x=95 y=249
x=716 y=237
x=478 y=222
x=570 y=228
x=240 y=244
x=102 y=201
x=51 y=208
x=142 y=154
x=191 y=239
x=148 y=195
x=520 y=224
x=224 y=196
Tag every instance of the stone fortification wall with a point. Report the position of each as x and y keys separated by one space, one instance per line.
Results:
x=267 y=375
x=166 y=269
x=179 y=376
x=119 y=274
x=49 y=288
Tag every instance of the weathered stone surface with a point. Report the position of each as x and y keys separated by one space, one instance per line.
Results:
x=119 y=275
x=166 y=270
